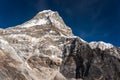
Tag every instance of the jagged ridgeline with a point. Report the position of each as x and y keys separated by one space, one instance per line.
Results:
x=44 y=48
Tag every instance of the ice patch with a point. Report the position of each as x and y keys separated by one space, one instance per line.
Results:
x=3 y=41
x=33 y=23
x=52 y=56
x=51 y=46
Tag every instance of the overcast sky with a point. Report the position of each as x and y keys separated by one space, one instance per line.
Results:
x=92 y=20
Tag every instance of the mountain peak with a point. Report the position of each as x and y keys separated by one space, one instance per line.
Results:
x=44 y=48
x=46 y=13
x=101 y=45
x=50 y=19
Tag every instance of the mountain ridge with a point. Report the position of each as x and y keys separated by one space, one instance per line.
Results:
x=48 y=13
x=44 y=48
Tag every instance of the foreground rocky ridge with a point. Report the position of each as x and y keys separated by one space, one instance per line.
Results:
x=44 y=48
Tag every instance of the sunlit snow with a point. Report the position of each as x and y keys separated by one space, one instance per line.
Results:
x=102 y=45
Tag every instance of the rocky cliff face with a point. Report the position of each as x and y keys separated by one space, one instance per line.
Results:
x=44 y=48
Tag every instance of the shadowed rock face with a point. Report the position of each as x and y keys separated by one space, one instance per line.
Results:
x=89 y=64
x=44 y=48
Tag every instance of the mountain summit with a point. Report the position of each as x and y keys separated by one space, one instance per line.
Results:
x=50 y=19
x=44 y=48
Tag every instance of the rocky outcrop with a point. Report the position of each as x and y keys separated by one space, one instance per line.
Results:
x=44 y=48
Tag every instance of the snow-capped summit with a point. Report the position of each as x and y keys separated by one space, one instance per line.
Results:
x=40 y=19
x=44 y=17
x=46 y=13
x=48 y=17
x=101 y=45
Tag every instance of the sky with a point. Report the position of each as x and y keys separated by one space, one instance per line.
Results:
x=92 y=20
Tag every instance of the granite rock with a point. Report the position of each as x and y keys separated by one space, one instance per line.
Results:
x=44 y=48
